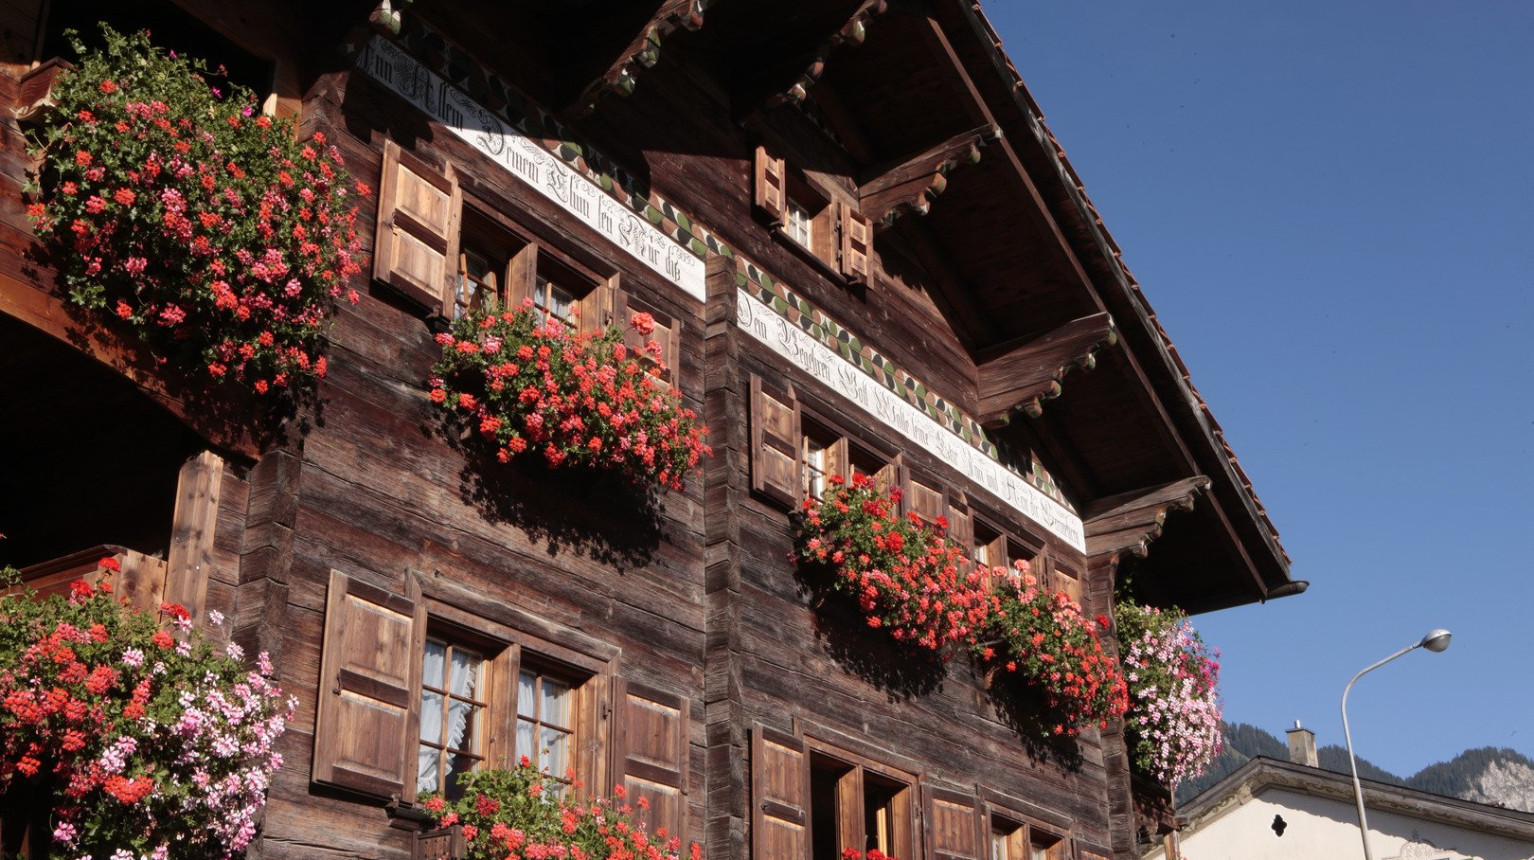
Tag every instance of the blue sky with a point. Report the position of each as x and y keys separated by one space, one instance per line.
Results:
x=1331 y=207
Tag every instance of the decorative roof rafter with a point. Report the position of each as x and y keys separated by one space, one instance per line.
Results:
x=909 y=184
x=1022 y=377
x=642 y=52
x=852 y=33
x=1126 y=523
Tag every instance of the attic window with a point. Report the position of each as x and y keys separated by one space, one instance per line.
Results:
x=834 y=233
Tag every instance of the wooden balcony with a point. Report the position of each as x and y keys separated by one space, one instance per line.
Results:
x=141 y=578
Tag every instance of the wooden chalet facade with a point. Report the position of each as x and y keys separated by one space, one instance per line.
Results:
x=864 y=252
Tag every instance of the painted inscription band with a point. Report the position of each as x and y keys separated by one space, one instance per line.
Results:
x=524 y=158
x=814 y=358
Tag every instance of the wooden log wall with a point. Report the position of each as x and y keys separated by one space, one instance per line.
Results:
x=700 y=599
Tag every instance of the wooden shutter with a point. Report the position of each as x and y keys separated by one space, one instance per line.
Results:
x=924 y=498
x=416 y=246
x=665 y=335
x=780 y=796
x=955 y=826
x=857 y=241
x=771 y=186
x=961 y=528
x=522 y=276
x=775 y=435
x=190 y=560
x=364 y=736
x=651 y=754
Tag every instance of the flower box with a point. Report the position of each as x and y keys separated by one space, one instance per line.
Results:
x=444 y=843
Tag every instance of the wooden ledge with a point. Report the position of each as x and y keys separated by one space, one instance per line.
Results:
x=1023 y=377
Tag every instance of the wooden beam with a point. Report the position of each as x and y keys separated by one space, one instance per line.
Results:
x=1022 y=377
x=621 y=75
x=190 y=560
x=909 y=184
x=1126 y=523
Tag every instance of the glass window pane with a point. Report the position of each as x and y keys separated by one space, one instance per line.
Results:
x=527 y=694
x=465 y=675
x=526 y=733
x=556 y=751
x=433 y=664
x=555 y=703
x=460 y=726
x=427 y=776
x=431 y=716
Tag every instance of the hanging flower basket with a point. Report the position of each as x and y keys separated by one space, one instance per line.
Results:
x=906 y=576
x=577 y=399
x=1042 y=637
x=1173 y=725
x=144 y=738
x=185 y=216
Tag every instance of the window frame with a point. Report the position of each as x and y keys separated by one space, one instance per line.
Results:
x=507 y=650
x=1024 y=833
x=851 y=789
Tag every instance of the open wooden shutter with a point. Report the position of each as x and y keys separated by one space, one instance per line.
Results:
x=522 y=276
x=416 y=246
x=955 y=826
x=780 y=796
x=771 y=186
x=775 y=439
x=190 y=560
x=924 y=497
x=651 y=754
x=857 y=240
x=665 y=335
x=364 y=736
x=961 y=527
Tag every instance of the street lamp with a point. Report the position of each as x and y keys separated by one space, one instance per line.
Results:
x=1436 y=641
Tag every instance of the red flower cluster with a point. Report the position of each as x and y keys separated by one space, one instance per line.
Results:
x=907 y=576
x=149 y=743
x=579 y=399
x=1043 y=636
x=208 y=230
x=521 y=814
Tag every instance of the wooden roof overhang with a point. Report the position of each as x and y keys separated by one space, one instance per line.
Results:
x=952 y=160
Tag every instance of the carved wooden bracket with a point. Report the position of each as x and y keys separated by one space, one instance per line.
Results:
x=1128 y=522
x=1023 y=377
x=851 y=33
x=642 y=52
x=909 y=184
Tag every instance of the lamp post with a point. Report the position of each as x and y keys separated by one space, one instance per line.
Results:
x=1436 y=641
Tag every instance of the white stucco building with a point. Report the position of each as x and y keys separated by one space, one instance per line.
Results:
x=1294 y=810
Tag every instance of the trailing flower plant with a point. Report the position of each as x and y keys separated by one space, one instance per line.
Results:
x=1173 y=727
x=522 y=814
x=907 y=577
x=152 y=742
x=1041 y=635
x=576 y=398
x=177 y=209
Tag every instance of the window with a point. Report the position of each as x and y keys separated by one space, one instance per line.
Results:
x=796 y=452
x=834 y=233
x=449 y=257
x=417 y=692
x=452 y=715
x=545 y=721
x=814 y=802
x=1013 y=840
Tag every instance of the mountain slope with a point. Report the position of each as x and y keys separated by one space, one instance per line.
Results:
x=1489 y=775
